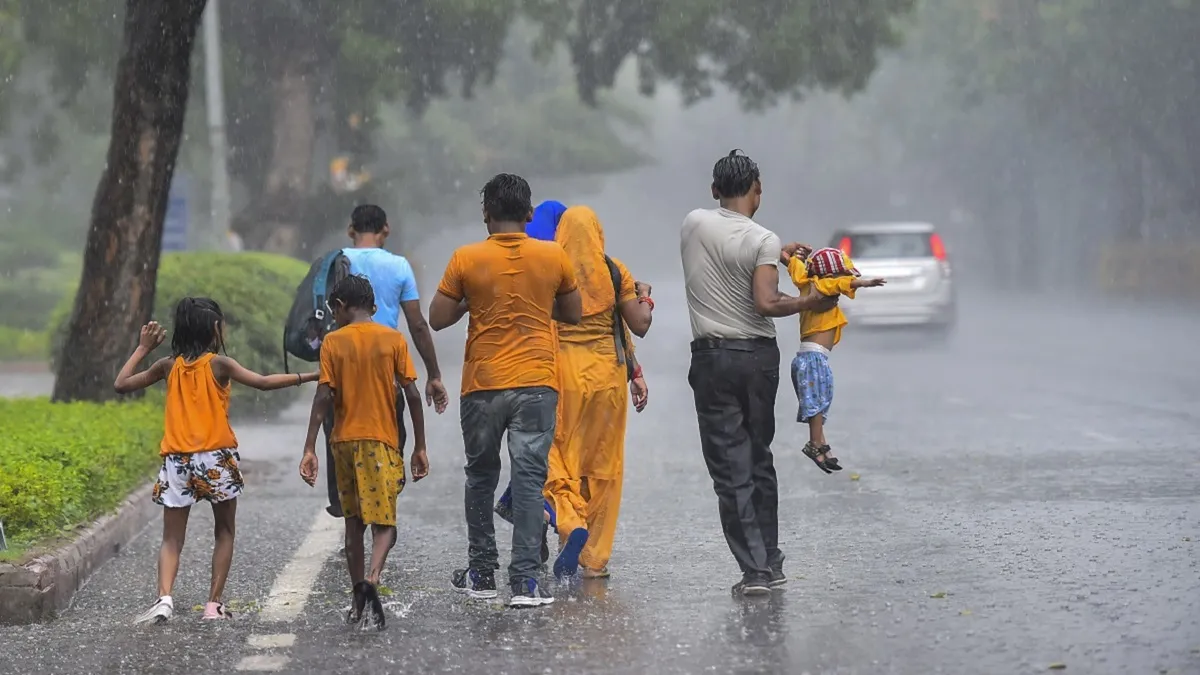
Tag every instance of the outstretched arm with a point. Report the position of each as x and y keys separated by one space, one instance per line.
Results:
x=771 y=303
x=225 y=369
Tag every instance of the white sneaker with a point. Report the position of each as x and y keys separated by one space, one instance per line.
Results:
x=529 y=593
x=159 y=612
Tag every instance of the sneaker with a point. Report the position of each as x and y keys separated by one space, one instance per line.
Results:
x=778 y=578
x=160 y=612
x=753 y=584
x=567 y=563
x=528 y=593
x=477 y=584
x=216 y=611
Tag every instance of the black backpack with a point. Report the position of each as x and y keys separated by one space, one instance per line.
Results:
x=311 y=318
x=618 y=322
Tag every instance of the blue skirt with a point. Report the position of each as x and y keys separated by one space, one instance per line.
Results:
x=813 y=381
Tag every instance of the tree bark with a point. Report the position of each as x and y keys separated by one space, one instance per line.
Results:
x=120 y=261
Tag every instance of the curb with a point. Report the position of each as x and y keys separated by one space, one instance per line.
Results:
x=43 y=587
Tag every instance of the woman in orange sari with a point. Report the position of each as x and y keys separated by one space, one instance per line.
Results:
x=595 y=362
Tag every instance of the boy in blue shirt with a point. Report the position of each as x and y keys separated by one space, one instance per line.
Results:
x=395 y=286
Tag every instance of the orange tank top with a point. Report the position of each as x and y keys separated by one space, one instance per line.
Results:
x=197 y=414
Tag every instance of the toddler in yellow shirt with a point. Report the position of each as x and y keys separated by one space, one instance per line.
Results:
x=832 y=273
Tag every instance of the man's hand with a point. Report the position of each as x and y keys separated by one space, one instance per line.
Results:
x=420 y=464
x=152 y=336
x=819 y=301
x=308 y=466
x=867 y=283
x=436 y=396
x=642 y=288
x=640 y=393
x=794 y=249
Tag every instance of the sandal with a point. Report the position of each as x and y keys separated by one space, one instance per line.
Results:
x=602 y=573
x=830 y=460
x=216 y=611
x=814 y=453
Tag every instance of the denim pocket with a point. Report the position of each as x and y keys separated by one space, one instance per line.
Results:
x=535 y=411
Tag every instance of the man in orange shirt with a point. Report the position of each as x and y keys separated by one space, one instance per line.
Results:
x=514 y=289
x=361 y=364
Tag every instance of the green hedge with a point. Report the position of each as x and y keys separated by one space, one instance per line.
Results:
x=18 y=344
x=64 y=464
x=255 y=291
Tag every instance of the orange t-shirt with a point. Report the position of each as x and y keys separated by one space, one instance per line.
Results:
x=510 y=282
x=197 y=410
x=362 y=362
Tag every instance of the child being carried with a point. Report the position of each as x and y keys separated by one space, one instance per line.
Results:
x=830 y=272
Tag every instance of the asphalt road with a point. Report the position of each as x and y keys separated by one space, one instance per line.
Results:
x=1027 y=497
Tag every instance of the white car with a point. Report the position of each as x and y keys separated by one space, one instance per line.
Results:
x=913 y=259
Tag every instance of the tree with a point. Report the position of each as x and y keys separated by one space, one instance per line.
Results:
x=120 y=261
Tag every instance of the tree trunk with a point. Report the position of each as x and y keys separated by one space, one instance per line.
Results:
x=276 y=220
x=120 y=261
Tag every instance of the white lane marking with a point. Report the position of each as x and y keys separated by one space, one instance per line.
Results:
x=263 y=663
x=954 y=400
x=295 y=583
x=1097 y=436
x=1020 y=417
x=277 y=641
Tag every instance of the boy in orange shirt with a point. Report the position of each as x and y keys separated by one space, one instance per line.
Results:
x=831 y=273
x=361 y=364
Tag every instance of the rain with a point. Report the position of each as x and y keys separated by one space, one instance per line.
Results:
x=1021 y=489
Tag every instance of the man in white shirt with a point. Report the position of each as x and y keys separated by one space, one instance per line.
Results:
x=730 y=270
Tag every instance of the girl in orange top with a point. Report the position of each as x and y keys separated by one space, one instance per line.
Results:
x=199 y=450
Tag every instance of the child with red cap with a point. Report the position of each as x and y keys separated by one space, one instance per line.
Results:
x=832 y=273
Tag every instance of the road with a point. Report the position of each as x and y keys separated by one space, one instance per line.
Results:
x=1027 y=496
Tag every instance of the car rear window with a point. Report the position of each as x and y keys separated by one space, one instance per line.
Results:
x=888 y=245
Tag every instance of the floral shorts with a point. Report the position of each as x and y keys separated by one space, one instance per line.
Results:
x=185 y=479
x=370 y=476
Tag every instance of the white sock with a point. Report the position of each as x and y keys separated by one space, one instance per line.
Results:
x=167 y=599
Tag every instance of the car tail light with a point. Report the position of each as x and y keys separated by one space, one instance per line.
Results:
x=938 y=248
x=844 y=244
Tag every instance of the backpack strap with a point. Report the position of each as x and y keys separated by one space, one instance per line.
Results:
x=320 y=284
x=618 y=323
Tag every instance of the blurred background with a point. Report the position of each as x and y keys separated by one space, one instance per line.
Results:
x=1054 y=144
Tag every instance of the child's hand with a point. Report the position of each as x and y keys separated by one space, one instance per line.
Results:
x=868 y=283
x=309 y=466
x=420 y=464
x=152 y=336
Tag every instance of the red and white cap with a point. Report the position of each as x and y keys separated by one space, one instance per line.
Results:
x=828 y=262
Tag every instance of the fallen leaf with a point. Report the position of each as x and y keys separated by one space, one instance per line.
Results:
x=854 y=476
x=1057 y=666
x=939 y=595
x=384 y=591
x=198 y=608
x=965 y=612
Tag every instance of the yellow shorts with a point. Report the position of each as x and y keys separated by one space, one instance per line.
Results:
x=370 y=476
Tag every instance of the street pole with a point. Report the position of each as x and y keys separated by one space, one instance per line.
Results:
x=214 y=88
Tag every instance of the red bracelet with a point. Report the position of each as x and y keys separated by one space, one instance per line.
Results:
x=648 y=301
x=637 y=372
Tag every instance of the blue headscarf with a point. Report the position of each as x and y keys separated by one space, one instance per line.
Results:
x=545 y=220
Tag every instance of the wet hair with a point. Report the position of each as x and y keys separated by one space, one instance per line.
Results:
x=734 y=175
x=353 y=292
x=368 y=219
x=197 y=329
x=507 y=198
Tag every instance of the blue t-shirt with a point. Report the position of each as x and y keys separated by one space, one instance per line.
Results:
x=391 y=278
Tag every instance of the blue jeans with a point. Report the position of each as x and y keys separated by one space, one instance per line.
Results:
x=527 y=416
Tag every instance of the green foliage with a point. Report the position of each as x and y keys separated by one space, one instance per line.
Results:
x=255 y=292
x=67 y=463
x=19 y=344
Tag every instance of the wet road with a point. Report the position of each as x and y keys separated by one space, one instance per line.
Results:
x=1028 y=496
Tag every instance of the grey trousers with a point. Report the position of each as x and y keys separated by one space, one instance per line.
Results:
x=527 y=416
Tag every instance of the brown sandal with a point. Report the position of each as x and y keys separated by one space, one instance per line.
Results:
x=814 y=453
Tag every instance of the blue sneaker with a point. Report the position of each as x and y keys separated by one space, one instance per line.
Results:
x=567 y=563
x=476 y=584
x=527 y=593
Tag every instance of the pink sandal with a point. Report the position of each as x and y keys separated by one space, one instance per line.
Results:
x=215 y=611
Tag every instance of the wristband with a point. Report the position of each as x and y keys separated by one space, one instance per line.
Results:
x=637 y=372
x=647 y=300
x=299 y=379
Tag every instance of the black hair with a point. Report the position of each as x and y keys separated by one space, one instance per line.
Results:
x=368 y=219
x=353 y=291
x=507 y=198
x=196 y=328
x=734 y=175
